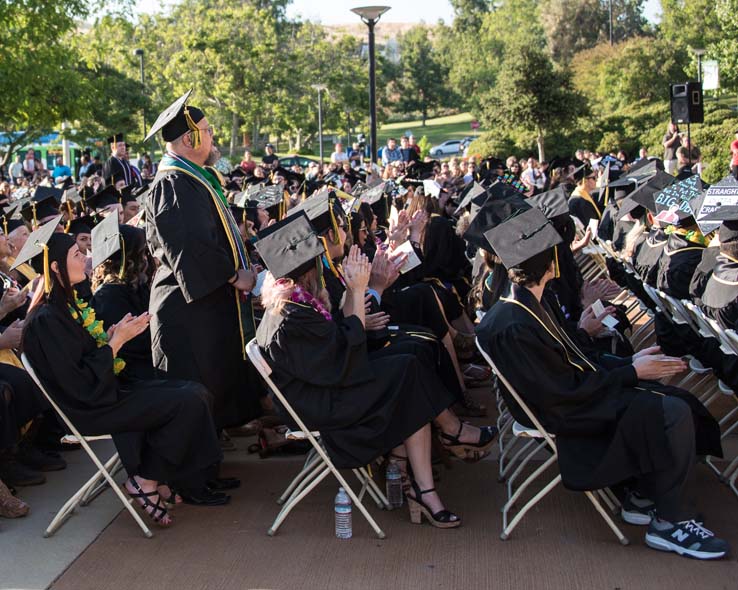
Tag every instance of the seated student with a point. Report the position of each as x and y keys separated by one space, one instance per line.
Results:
x=720 y=297
x=363 y=407
x=581 y=203
x=162 y=429
x=612 y=422
x=120 y=285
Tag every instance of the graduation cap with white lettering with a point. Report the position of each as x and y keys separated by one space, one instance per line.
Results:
x=674 y=204
x=523 y=236
x=718 y=205
x=290 y=247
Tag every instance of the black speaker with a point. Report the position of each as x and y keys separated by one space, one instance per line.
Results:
x=686 y=103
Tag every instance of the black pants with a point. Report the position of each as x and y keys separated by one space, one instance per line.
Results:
x=734 y=171
x=667 y=487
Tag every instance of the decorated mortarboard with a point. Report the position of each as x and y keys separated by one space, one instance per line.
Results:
x=644 y=195
x=491 y=214
x=374 y=194
x=81 y=225
x=34 y=210
x=674 y=204
x=289 y=248
x=36 y=242
x=104 y=198
x=260 y=196
x=359 y=188
x=472 y=190
x=513 y=181
x=105 y=240
x=178 y=119
x=553 y=203
x=719 y=204
x=432 y=188
x=522 y=237
x=71 y=195
x=44 y=192
x=118 y=137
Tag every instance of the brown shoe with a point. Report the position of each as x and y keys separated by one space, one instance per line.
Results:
x=10 y=506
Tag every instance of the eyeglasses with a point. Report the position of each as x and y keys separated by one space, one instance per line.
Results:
x=209 y=130
x=363 y=229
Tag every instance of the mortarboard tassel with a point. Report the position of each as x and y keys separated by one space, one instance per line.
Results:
x=122 y=272
x=334 y=223
x=193 y=128
x=35 y=221
x=5 y=224
x=69 y=219
x=47 y=270
x=557 y=270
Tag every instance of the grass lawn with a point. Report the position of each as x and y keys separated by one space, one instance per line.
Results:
x=437 y=130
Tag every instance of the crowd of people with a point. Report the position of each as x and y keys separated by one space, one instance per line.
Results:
x=133 y=289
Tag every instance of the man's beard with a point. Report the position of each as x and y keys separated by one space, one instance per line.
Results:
x=213 y=156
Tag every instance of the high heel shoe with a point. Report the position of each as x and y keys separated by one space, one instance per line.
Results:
x=10 y=506
x=443 y=519
x=470 y=452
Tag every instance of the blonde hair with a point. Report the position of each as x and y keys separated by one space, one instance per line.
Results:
x=276 y=292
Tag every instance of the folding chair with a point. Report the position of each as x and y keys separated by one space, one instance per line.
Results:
x=540 y=432
x=317 y=466
x=96 y=484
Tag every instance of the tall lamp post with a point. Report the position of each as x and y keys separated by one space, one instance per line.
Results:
x=140 y=54
x=370 y=16
x=320 y=88
x=699 y=53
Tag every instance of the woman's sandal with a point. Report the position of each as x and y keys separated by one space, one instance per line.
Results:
x=170 y=500
x=470 y=452
x=443 y=519
x=156 y=512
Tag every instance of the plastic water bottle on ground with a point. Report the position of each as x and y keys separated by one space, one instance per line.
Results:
x=394 y=485
x=342 y=508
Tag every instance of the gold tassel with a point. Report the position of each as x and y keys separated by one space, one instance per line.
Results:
x=328 y=258
x=47 y=270
x=69 y=219
x=5 y=224
x=193 y=128
x=122 y=272
x=557 y=270
x=35 y=221
x=334 y=223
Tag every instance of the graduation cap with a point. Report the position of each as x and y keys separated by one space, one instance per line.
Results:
x=522 y=237
x=559 y=162
x=674 y=203
x=513 y=181
x=128 y=194
x=372 y=195
x=323 y=210
x=104 y=198
x=553 y=203
x=289 y=248
x=582 y=172
x=432 y=188
x=43 y=192
x=105 y=240
x=491 y=214
x=10 y=225
x=638 y=174
x=359 y=188
x=643 y=196
x=34 y=210
x=176 y=120
x=71 y=195
x=41 y=241
x=118 y=137
x=81 y=225
x=421 y=170
x=261 y=197
x=472 y=190
x=718 y=205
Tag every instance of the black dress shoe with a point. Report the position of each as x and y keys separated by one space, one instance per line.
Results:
x=204 y=497
x=16 y=474
x=39 y=460
x=220 y=484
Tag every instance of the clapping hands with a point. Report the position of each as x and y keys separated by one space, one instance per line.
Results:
x=356 y=270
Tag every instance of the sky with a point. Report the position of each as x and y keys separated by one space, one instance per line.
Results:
x=331 y=12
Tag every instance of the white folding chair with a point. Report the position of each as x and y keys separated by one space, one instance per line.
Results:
x=97 y=483
x=317 y=466
x=540 y=432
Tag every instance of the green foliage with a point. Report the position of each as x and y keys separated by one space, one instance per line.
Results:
x=713 y=138
x=493 y=144
x=425 y=145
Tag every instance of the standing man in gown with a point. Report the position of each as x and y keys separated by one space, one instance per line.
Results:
x=200 y=296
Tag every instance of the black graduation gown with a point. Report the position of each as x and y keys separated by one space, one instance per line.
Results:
x=362 y=407
x=162 y=429
x=703 y=272
x=116 y=169
x=582 y=209
x=720 y=298
x=609 y=427
x=677 y=265
x=111 y=303
x=20 y=402
x=444 y=255
x=195 y=332
x=646 y=260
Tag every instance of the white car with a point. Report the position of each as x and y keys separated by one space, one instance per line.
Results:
x=450 y=147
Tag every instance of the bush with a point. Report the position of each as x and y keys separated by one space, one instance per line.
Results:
x=425 y=145
x=493 y=143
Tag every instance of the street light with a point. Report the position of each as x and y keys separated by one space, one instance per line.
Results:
x=140 y=54
x=699 y=53
x=320 y=88
x=370 y=16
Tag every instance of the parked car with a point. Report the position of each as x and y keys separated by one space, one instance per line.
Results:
x=295 y=160
x=450 y=147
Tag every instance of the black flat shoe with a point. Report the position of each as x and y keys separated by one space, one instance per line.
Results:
x=220 y=484
x=204 y=497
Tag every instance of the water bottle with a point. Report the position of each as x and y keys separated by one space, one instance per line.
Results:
x=394 y=485
x=342 y=507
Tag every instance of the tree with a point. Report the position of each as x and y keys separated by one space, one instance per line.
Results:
x=468 y=14
x=422 y=83
x=532 y=95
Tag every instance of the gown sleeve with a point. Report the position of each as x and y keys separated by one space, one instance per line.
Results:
x=188 y=238
x=80 y=376
x=321 y=352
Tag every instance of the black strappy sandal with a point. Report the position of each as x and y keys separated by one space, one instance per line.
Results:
x=156 y=512
x=443 y=519
x=470 y=452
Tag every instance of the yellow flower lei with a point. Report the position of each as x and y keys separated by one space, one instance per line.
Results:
x=86 y=318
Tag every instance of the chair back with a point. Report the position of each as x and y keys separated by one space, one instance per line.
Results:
x=705 y=329
x=518 y=399
x=29 y=369
x=651 y=292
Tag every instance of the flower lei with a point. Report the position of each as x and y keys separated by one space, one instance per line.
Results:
x=300 y=295
x=85 y=317
x=695 y=236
